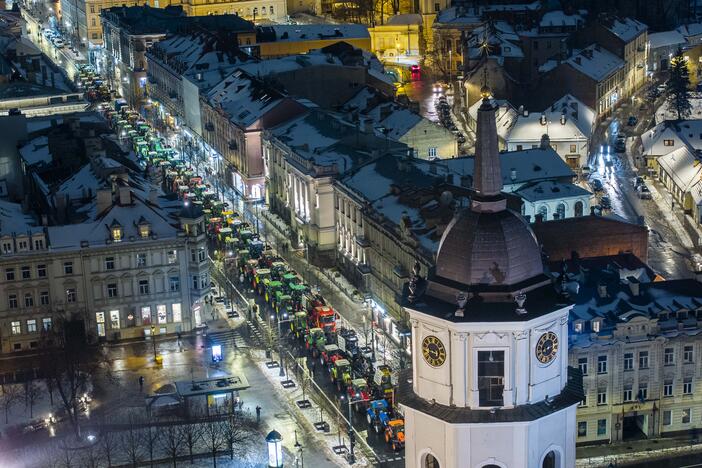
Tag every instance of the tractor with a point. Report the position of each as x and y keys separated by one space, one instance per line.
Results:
x=298 y=325
x=315 y=341
x=324 y=317
x=359 y=393
x=341 y=373
x=395 y=434
x=377 y=415
x=330 y=353
x=348 y=342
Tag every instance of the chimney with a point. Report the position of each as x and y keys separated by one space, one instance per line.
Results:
x=104 y=200
x=563 y=119
x=525 y=113
x=602 y=290
x=125 y=196
x=542 y=119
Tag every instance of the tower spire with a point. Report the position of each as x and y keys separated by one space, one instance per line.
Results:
x=488 y=174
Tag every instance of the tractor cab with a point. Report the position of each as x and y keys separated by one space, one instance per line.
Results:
x=316 y=340
x=382 y=382
x=278 y=269
x=284 y=305
x=348 y=342
x=359 y=393
x=298 y=325
x=272 y=288
x=260 y=274
x=377 y=415
x=341 y=373
x=330 y=353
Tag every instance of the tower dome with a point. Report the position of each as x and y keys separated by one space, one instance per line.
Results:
x=488 y=245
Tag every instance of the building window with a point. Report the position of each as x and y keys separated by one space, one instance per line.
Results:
x=643 y=392
x=161 y=313
x=67 y=268
x=201 y=254
x=23 y=245
x=146 y=315
x=582 y=364
x=38 y=244
x=16 y=328
x=41 y=271
x=643 y=359
x=628 y=361
x=28 y=300
x=112 y=290
x=601 y=427
x=144 y=230
x=114 y=319
x=669 y=356
x=109 y=263
x=582 y=428
x=174 y=282
x=271 y=10
x=687 y=386
x=26 y=272
x=667 y=417
x=31 y=326
x=141 y=259
x=144 y=286
x=44 y=298
x=573 y=149
x=668 y=388
x=491 y=372
x=685 y=416
x=100 y=322
x=601 y=364
x=177 y=312
x=71 y=295
x=46 y=323
x=688 y=356
x=602 y=397
x=668 y=142
x=116 y=229
x=628 y=393
x=12 y=301
x=432 y=151
x=7 y=247
x=172 y=256
x=196 y=282
x=583 y=402
x=10 y=274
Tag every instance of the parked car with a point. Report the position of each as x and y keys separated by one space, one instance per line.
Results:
x=632 y=121
x=605 y=203
x=620 y=145
x=596 y=185
x=643 y=192
x=636 y=181
x=585 y=171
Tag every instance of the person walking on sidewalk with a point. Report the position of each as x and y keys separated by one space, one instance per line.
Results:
x=258 y=414
x=141 y=383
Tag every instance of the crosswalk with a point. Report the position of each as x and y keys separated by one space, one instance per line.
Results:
x=231 y=336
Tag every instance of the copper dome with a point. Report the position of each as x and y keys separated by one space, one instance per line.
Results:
x=488 y=248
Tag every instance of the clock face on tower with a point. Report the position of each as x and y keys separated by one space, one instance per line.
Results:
x=547 y=347
x=434 y=351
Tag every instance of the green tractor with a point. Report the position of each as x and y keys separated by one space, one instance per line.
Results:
x=316 y=339
x=272 y=287
x=283 y=305
x=298 y=325
x=341 y=374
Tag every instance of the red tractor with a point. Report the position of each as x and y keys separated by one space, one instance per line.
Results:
x=330 y=353
x=323 y=317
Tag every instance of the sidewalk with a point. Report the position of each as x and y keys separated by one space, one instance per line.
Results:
x=626 y=453
x=664 y=200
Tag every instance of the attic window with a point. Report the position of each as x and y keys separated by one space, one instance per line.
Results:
x=596 y=325
x=578 y=326
x=144 y=230
x=116 y=231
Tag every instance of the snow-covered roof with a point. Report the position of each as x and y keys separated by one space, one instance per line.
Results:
x=690 y=30
x=244 y=98
x=595 y=62
x=577 y=125
x=452 y=16
x=505 y=116
x=560 y=18
x=36 y=151
x=682 y=166
x=666 y=39
x=502 y=38
x=548 y=65
x=550 y=190
x=656 y=141
x=404 y=20
x=533 y=6
x=313 y=32
x=626 y=29
x=14 y=221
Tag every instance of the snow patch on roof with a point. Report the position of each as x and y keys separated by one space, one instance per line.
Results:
x=627 y=28
x=666 y=39
x=595 y=62
x=36 y=151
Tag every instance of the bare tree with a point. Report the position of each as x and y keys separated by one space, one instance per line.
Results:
x=170 y=440
x=151 y=440
x=131 y=443
x=190 y=433
x=213 y=437
x=11 y=395
x=108 y=445
x=238 y=430
x=67 y=457
x=32 y=394
x=91 y=457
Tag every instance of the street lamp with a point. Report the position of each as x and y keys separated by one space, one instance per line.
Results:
x=301 y=459
x=352 y=457
x=275 y=449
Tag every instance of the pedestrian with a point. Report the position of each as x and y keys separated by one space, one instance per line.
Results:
x=258 y=414
x=241 y=278
x=141 y=383
x=314 y=367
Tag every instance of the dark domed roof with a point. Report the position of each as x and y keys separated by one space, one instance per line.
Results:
x=488 y=248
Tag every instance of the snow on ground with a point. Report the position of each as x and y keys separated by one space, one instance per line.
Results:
x=665 y=112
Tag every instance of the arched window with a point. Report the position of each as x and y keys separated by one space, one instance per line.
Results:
x=430 y=461
x=549 y=460
x=543 y=211
x=489 y=466
x=578 y=208
x=560 y=211
x=271 y=10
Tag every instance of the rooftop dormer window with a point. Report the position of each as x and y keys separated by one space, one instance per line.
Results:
x=144 y=228
x=597 y=325
x=116 y=231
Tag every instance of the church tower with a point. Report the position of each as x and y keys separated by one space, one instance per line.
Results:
x=490 y=384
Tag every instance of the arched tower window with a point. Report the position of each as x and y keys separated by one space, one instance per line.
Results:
x=560 y=211
x=578 y=208
x=543 y=211
x=430 y=461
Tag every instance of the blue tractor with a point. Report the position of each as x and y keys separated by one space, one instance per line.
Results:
x=378 y=415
